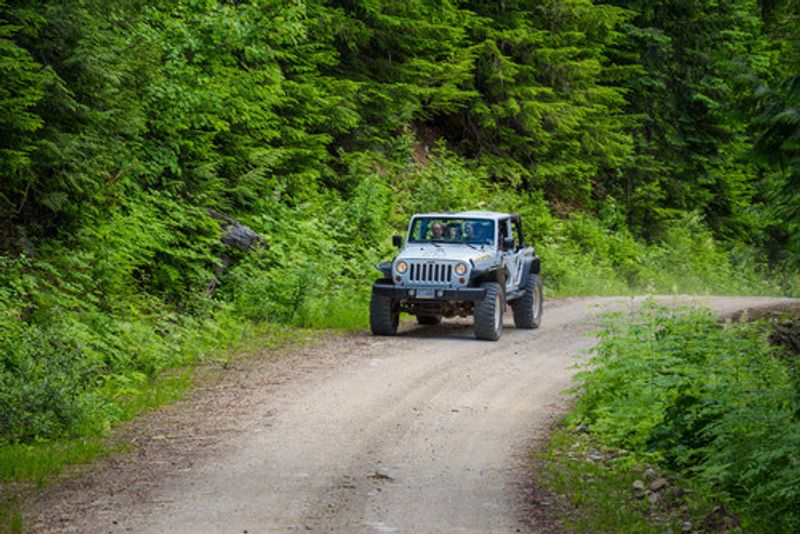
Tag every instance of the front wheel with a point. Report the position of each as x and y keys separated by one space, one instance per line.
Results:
x=528 y=308
x=489 y=313
x=384 y=315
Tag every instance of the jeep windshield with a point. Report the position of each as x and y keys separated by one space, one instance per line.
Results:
x=452 y=230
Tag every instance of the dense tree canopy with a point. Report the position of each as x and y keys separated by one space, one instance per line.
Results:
x=654 y=103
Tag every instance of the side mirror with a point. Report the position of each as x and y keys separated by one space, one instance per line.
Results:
x=508 y=243
x=397 y=241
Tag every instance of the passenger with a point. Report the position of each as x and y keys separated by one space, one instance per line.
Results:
x=452 y=232
x=437 y=230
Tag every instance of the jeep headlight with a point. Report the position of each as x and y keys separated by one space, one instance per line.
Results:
x=461 y=268
x=401 y=267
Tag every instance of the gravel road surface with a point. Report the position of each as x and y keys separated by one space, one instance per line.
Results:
x=426 y=432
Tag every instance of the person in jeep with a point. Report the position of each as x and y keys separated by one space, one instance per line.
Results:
x=452 y=232
x=469 y=231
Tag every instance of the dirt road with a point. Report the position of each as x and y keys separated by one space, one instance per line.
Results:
x=424 y=432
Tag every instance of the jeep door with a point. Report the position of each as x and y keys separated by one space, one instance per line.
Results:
x=511 y=258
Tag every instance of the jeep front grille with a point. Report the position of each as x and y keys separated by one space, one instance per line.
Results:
x=430 y=273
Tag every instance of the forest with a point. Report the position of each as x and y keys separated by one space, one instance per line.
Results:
x=651 y=146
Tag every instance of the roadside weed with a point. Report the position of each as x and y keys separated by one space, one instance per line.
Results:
x=714 y=403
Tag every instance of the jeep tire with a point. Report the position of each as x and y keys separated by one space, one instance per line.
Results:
x=528 y=308
x=430 y=320
x=384 y=315
x=489 y=313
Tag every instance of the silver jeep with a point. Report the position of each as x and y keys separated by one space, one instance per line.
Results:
x=460 y=264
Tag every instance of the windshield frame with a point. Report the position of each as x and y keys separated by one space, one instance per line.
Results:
x=424 y=224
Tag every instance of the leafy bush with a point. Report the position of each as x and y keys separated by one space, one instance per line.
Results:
x=43 y=390
x=715 y=402
x=71 y=357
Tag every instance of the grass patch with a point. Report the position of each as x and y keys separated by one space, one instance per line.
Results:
x=11 y=521
x=41 y=462
x=165 y=389
x=343 y=313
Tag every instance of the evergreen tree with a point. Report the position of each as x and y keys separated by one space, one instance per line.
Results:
x=22 y=87
x=692 y=94
x=410 y=59
x=779 y=128
x=548 y=113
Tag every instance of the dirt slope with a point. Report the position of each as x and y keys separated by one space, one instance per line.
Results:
x=424 y=432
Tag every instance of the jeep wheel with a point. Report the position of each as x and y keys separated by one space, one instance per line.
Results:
x=430 y=320
x=489 y=313
x=528 y=308
x=384 y=315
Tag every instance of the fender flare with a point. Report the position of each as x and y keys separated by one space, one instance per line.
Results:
x=531 y=266
x=386 y=268
x=491 y=274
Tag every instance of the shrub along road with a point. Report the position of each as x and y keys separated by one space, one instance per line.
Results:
x=423 y=432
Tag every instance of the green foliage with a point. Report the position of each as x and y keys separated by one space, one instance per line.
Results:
x=305 y=267
x=687 y=259
x=21 y=88
x=39 y=461
x=546 y=116
x=691 y=100
x=620 y=134
x=712 y=401
x=444 y=184
x=153 y=244
x=779 y=145
x=11 y=516
x=412 y=60
x=70 y=353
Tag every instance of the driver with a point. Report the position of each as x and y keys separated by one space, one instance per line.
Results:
x=469 y=231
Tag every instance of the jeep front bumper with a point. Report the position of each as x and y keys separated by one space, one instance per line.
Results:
x=472 y=294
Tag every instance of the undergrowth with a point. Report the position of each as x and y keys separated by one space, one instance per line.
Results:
x=122 y=396
x=11 y=520
x=714 y=403
x=595 y=489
